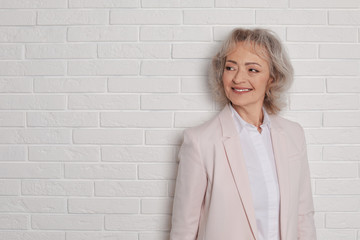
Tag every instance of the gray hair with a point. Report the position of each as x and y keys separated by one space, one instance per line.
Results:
x=267 y=45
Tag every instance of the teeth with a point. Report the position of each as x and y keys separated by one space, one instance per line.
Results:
x=242 y=90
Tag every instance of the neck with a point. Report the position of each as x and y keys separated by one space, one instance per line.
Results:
x=253 y=115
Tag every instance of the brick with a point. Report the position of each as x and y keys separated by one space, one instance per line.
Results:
x=32 y=205
x=325 y=102
x=101 y=235
x=70 y=85
x=324 y=4
x=326 y=68
x=251 y=4
x=176 y=33
x=333 y=136
x=67 y=222
x=138 y=154
x=137 y=222
x=17 y=18
x=314 y=153
x=108 y=136
x=191 y=119
x=104 y=3
x=100 y=171
x=338 y=187
x=141 y=17
x=306 y=119
x=143 y=84
x=222 y=32
x=35 y=136
x=64 y=153
x=33 y=235
x=289 y=17
x=343 y=84
x=157 y=171
x=174 y=68
x=13 y=153
x=65 y=51
x=16 y=85
x=131 y=189
x=308 y=85
x=156 y=206
x=14 y=221
x=31 y=68
x=171 y=188
x=30 y=170
x=345 y=51
x=341 y=153
x=302 y=51
x=103 y=205
x=103 y=33
x=72 y=17
x=136 y=119
x=336 y=204
x=176 y=3
x=321 y=34
x=333 y=170
x=10 y=187
x=344 y=17
x=319 y=219
x=176 y=102
x=109 y=102
x=12 y=119
x=162 y=137
x=33 y=4
x=103 y=67
x=32 y=34
x=195 y=85
x=154 y=236
x=194 y=50
x=343 y=220
x=62 y=119
x=11 y=51
x=219 y=16
x=334 y=234
x=341 y=119
x=57 y=188
x=134 y=51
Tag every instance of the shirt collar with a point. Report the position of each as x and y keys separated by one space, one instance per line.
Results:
x=241 y=123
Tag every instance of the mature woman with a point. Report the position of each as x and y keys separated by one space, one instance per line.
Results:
x=244 y=174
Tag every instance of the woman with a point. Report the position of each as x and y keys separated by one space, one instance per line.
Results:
x=244 y=174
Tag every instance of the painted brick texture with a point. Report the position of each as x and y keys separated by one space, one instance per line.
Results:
x=95 y=94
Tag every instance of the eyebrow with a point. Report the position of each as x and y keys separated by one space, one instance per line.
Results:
x=247 y=63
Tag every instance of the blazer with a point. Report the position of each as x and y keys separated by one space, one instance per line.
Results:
x=213 y=199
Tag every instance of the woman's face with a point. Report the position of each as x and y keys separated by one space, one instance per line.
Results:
x=245 y=78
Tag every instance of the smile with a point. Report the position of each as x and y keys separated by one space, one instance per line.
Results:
x=242 y=89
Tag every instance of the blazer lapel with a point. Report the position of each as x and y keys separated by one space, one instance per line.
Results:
x=282 y=167
x=237 y=165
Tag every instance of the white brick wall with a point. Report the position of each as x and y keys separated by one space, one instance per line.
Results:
x=95 y=94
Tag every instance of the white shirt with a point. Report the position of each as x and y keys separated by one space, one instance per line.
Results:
x=260 y=163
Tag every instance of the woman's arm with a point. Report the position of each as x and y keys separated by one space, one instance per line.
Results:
x=190 y=190
x=306 y=225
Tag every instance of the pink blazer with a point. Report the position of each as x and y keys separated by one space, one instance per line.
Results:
x=213 y=199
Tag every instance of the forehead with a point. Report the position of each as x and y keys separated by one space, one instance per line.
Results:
x=249 y=49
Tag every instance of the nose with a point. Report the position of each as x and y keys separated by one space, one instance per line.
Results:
x=239 y=77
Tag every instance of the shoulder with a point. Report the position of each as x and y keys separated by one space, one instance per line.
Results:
x=207 y=130
x=293 y=131
x=286 y=125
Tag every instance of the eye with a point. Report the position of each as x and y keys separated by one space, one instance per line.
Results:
x=253 y=70
x=228 y=68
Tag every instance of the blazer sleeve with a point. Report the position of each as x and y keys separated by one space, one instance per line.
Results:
x=306 y=225
x=190 y=189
